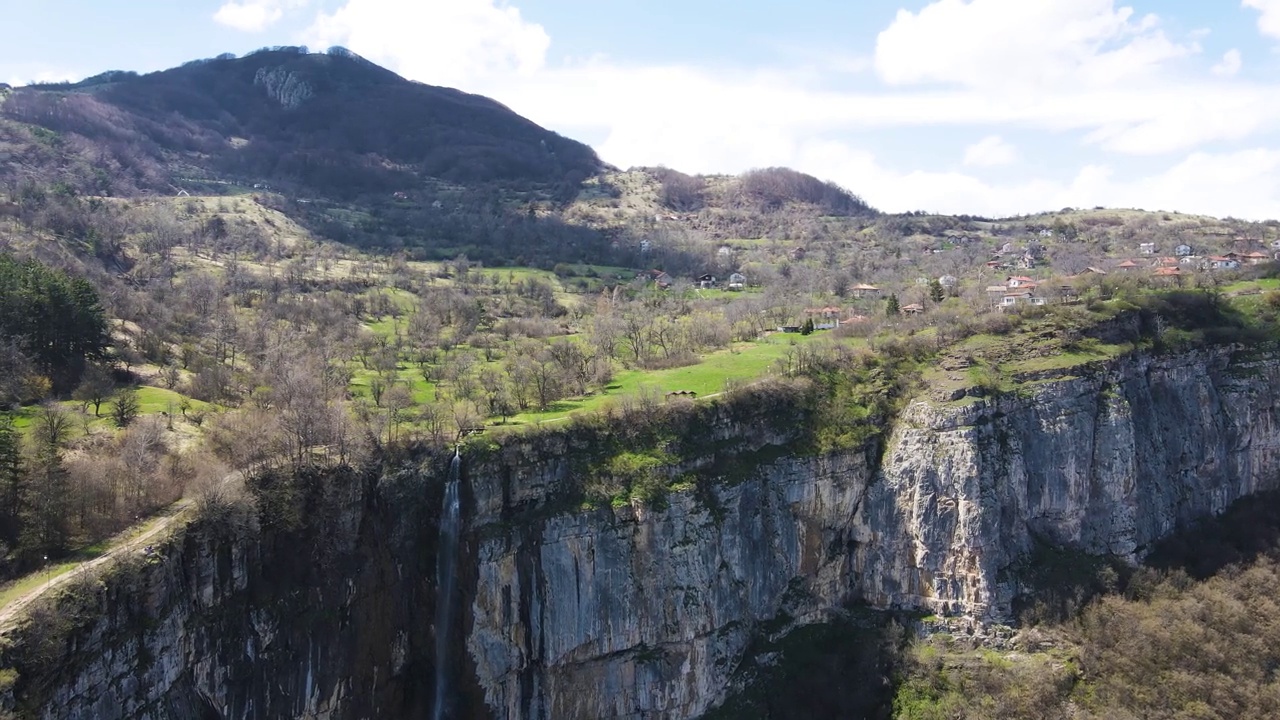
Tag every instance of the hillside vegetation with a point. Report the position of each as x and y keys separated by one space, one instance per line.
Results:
x=1192 y=635
x=331 y=123
x=287 y=259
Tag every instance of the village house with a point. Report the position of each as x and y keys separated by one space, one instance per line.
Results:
x=1147 y=249
x=948 y=281
x=1019 y=281
x=707 y=281
x=661 y=279
x=1190 y=261
x=1020 y=297
x=1255 y=258
x=824 y=318
x=865 y=291
x=1224 y=262
x=1167 y=272
x=826 y=313
x=912 y=309
x=1274 y=244
x=1183 y=250
x=1127 y=266
x=737 y=281
x=1066 y=288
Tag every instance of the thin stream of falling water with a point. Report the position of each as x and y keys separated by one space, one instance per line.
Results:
x=446 y=571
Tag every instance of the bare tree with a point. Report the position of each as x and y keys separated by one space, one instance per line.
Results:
x=95 y=385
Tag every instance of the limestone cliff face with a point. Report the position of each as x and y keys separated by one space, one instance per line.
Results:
x=641 y=613
x=1108 y=463
x=318 y=616
x=645 y=611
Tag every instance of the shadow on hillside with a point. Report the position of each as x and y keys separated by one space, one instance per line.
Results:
x=1057 y=583
x=1249 y=529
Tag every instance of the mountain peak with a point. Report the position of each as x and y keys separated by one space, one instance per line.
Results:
x=330 y=123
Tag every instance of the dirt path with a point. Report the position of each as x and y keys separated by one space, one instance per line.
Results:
x=14 y=608
x=120 y=546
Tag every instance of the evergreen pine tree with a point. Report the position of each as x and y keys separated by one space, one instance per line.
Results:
x=936 y=293
x=46 y=502
x=10 y=479
x=892 y=307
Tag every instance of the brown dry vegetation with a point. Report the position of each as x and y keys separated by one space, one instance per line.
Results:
x=1153 y=643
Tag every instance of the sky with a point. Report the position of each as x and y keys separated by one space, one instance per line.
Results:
x=989 y=107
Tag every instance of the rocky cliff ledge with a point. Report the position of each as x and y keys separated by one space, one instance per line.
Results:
x=629 y=609
x=652 y=608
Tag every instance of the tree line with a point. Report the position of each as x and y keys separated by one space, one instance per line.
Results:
x=51 y=324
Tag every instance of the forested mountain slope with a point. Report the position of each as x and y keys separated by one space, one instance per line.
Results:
x=331 y=124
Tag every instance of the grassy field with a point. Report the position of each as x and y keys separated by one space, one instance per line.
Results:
x=1262 y=285
x=151 y=401
x=997 y=359
x=423 y=391
x=745 y=361
x=387 y=326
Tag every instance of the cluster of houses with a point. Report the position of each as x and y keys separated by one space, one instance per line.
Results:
x=825 y=318
x=736 y=281
x=1009 y=257
x=1016 y=290
x=1185 y=259
x=1022 y=290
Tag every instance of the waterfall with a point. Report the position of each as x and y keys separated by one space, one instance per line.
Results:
x=446 y=572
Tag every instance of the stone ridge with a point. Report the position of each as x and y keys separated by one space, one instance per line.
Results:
x=645 y=610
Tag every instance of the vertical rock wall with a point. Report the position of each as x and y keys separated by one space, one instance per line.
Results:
x=645 y=611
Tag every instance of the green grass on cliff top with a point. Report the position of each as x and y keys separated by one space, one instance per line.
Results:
x=744 y=361
x=151 y=401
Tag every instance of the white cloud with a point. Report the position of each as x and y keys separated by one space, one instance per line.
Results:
x=443 y=42
x=1269 y=19
x=1084 y=70
x=1230 y=65
x=989 y=152
x=254 y=15
x=1038 y=45
x=1243 y=184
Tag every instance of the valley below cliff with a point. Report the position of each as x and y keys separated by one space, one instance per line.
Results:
x=577 y=601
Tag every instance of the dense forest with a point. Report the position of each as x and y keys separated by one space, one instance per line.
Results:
x=51 y=324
